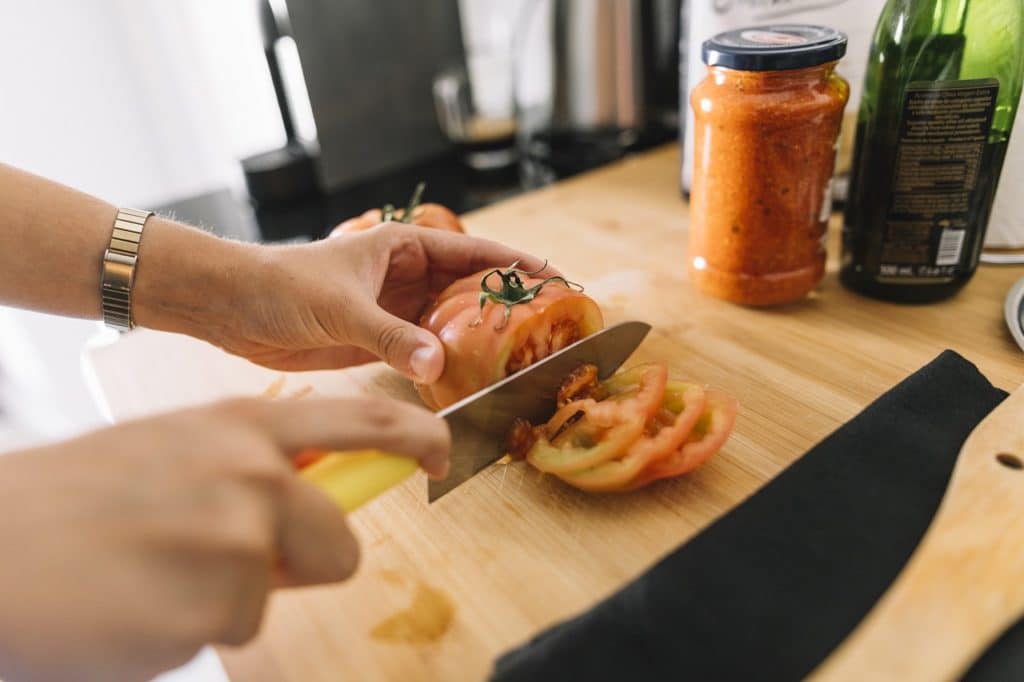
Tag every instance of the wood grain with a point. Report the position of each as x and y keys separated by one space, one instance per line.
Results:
x=515 y=551
x=963 y=585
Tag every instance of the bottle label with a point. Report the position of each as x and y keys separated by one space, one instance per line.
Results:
x=936 y=197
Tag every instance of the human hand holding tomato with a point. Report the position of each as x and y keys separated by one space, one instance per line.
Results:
x=345 y=301
x=127 y=549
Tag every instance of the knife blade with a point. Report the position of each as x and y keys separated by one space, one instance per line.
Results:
x=479 y=422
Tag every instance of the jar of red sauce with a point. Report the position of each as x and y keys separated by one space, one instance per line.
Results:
x=766 y=120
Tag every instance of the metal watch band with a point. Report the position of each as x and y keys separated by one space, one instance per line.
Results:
x=119 y=268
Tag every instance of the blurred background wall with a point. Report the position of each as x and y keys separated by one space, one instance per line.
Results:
x=136 y=101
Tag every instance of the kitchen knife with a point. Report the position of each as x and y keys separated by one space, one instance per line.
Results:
x=480 y=422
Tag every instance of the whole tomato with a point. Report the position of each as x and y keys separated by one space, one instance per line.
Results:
x=497 y=322
x=425 y=215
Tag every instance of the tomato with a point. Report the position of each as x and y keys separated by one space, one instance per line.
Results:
x=666 y=432
x=425 y=215
x=626 y=431
x=639 y=390
x=485 y=343
x=581 y=383
x=709 y=434
x=579 y=448
x=307 y=457
x=587 y=432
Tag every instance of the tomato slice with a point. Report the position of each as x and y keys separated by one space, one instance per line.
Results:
x=580 y=447
x=709 y=434
x=602 y=430
x=680 y=411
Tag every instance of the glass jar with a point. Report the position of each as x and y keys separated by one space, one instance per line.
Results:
x=766 y=120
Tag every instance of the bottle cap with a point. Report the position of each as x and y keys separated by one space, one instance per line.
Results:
x=774 y=48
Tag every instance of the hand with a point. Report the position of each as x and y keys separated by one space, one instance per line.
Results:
x=330 y=304
x=126 y=550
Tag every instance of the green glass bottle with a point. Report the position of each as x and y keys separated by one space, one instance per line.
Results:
x=941 y=91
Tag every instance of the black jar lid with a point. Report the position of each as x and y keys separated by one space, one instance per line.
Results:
x=775 y=47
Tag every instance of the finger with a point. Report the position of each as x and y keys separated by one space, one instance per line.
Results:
x=351 y=424
x=252 y=583
x=413 y=351
x=462 y=255
x=316 y=544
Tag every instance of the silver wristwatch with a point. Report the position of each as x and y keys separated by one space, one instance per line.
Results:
x=119 y=268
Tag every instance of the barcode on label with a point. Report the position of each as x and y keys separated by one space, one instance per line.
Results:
x=950 y=244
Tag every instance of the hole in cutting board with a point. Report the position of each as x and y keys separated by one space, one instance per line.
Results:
x=1010 y=461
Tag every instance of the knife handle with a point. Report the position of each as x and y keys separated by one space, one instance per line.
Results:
x=351 y=479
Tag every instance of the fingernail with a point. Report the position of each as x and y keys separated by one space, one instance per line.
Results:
x=420 y=361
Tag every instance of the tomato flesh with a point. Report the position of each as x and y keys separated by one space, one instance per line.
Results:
x=709 y=434
x=481 y=347
x=561 y=334
x=577 y=449
x=665 y=433
x=628 y=430
x=605 y=430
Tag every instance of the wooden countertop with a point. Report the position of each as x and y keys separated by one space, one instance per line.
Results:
x=513 y=551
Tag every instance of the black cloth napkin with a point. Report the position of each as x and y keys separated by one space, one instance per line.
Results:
x=772 y=587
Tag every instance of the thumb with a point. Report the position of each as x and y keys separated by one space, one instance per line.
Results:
x=413 y=351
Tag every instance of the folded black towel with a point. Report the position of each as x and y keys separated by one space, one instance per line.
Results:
x=771 y=588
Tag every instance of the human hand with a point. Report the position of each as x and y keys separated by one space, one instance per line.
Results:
x=128 y=549
x=330 y=304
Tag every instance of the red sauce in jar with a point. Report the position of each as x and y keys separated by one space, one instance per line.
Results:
x=763 y=162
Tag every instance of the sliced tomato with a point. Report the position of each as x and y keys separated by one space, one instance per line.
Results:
x=579 y=448
x=708 y=435
x=638 y=390
x=587 y=432
x=629 y=390
x=482 y=347
x=581 y=383
x=666 y=432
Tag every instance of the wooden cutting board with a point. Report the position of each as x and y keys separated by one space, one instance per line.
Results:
x=511 y=551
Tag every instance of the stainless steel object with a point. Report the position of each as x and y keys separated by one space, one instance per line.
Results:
x=118 y=275
x=597 y=64
x=1014 y=310
x=607 y=59
x=480 y=422
x=612 y=74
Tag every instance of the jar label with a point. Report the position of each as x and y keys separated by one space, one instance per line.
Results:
x=938 y=193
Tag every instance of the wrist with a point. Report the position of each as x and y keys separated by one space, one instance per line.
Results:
x=187 y=280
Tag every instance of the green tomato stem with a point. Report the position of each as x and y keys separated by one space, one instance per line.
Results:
x=513 y=290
